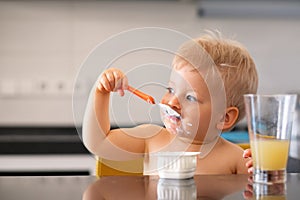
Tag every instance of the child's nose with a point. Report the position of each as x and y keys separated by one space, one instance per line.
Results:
x=174 y=103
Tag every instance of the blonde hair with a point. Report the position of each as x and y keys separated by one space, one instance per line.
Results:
x=235 y=65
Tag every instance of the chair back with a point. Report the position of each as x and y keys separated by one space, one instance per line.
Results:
x=105 y=167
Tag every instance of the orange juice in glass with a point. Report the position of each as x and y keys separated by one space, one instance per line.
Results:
x=270 y=154
x=270 y=119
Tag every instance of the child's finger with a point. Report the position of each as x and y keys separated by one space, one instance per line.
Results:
x=118 y=79
x=249 y=163
x=125 y=83
x=121 y=92
x=247 y=153
x=104 y=84
x=250 y=170
x=111 y=80
x=120 y=82
x=123 y=86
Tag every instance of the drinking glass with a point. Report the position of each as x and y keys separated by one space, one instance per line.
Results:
x=269 y=119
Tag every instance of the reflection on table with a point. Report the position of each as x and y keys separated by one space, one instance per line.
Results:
x=200 y=187
x=233 y=187
x=264 y=191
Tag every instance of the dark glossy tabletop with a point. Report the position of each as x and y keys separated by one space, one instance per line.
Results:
x=234 y=187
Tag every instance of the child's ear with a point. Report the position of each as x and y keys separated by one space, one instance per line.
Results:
x=231 y=115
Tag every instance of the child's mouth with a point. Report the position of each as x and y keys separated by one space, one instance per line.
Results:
x=174 y=119
x=171 y=119
x=168 y=111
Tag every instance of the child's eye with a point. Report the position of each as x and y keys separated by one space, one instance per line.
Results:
x=170 y=90
x=191 y=98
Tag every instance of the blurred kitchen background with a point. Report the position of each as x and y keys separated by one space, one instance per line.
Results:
x=43 y=44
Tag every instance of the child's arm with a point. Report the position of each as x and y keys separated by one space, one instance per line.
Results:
x=111 y=80
x=97 y=136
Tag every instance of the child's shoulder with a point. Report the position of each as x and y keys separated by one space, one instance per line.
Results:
x=235 y=153
x=229 y=146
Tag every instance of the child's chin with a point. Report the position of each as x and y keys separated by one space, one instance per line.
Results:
x=172 y=126
x=171 y=130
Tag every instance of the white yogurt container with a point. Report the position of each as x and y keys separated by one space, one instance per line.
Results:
x=176 y=165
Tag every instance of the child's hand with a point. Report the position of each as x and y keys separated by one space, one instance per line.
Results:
x=112 y=80
x=249 y=164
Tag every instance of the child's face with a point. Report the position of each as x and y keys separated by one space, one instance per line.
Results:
x=188 y=94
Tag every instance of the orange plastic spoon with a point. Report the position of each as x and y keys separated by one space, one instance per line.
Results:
x=142 y=95
x=164 y=108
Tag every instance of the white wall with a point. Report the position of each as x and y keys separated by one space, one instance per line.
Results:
x=45 y=42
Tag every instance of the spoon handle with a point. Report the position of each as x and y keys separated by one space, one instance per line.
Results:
x=142 y=95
